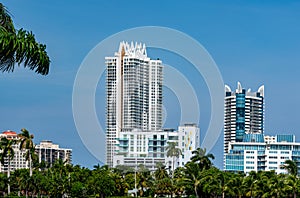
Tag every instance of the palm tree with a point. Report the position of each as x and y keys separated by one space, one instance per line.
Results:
x=250 y=181
x=27 y=143
x=5 y=20
x=260 y=183
x=160 y=172
x=3 y=182
x=292 y=182
x=291 y=167
x=237 y=184
x=277 y=186
x=203 y=159
x=193 y=177
x=20 y=47
x=162 y=184
x=7 y=147
x=101 y=182
x=173 y=151
x=178 y=181
x=217 y=182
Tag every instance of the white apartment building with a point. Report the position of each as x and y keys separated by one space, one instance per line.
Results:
x=46 y=151
x=133 y=94
x=258 y=152
x=189 y=140
x=49 y=152
x=149 y=147
x=18 y=161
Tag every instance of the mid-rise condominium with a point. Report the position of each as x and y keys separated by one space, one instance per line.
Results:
x=49 y=153
x=150 y=147
x=46 y=151
x=134 y=94
x=258 y=152
x=18 y=161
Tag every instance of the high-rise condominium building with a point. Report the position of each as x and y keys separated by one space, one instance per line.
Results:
x=134 y=94
x=244 y=114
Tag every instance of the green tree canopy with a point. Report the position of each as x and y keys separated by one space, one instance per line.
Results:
x=20 y=47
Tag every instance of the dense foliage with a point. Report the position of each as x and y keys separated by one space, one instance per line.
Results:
x=20 y=47
x=198 y=178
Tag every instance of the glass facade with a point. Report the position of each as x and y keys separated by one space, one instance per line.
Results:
x=255 y=154
x=240 y=116
x=234 y=162
x=253 y=138
x=285 y=138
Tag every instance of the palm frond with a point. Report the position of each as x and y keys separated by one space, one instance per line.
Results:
x=20 y=48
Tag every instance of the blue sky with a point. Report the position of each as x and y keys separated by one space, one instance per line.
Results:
x=253 y=42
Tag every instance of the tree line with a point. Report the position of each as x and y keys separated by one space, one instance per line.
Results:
x=198 y=178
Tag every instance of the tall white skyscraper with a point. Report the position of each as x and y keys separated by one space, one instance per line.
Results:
x=134 y=94
x=244 y=114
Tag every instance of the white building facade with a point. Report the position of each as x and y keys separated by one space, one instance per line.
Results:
x=134 y=94
x=49 y=153
x=188 y=141
x=19 y=160
x=149 y=147
x=262 y=153
x=46 y=151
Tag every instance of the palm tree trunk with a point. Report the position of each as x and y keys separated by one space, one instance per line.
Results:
x=8 y=176
x=196 y=192
x=173 y=167
x=30 y=167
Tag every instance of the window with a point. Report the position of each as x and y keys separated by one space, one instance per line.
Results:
x=284 y=157
x=273 y=157
x=273 y=152
x=284 y=152
x=272 y=162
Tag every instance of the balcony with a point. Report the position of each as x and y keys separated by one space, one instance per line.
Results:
x=122 y=139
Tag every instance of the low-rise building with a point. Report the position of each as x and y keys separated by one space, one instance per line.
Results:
x=149 y=147
x=262 y=153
